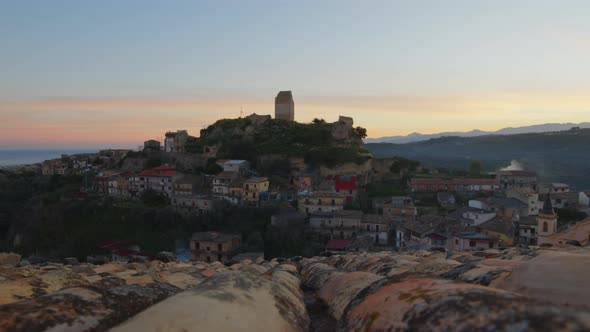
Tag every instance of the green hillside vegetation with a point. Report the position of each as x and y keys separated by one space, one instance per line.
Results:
x=242 y=139
x=558 y=156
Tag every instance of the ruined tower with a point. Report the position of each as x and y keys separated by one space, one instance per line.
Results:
x=284 y=106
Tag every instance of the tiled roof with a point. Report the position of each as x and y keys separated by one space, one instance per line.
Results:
x=475 y=236
x=517 y=173
x=345 y=182
x=456 y=181
x=256 y=180
x=161 y=171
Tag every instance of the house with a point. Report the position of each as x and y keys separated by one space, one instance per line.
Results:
x=347 y=185
x=527 y=230
x=528 y=196
x=569 y=199
x=503 y=207
x=338 y=245
x=472 y=241
x=175 y=141
x=188 y=184
x=377 y=226
x=501 y=229
x=517 y=179
x=214 y=246
x=469 y=216
x=102 y=179
x=578 y=232
x=553 y=188
x=415 y=233
x=320 y=201
x=119 y=185
x=304 y=183
x=400 y=206
x=238 y=166
x=159 y=179
x=222 y=182
x=437 y=240
x=338 y=224
x=194 y=203
x=453 y=184
x=151 y=146
x=236 y=191
x=253 y=187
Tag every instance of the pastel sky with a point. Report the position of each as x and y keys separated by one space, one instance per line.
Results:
x=113 y=73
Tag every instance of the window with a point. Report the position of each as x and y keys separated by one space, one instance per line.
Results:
x=219 y=247
x=472 y=243
x=197 y=245
x=208 y=248
x=377 y=227
x=545 y=227
x=333 y=202
x=219 y=257
x=456 y=241
x=368 y=228
x=532 y=231
x=320 y=201
x=491 y=244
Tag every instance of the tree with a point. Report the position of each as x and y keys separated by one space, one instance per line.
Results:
x=319 y=121
x=151 y=198
x=475 y=168
x=360 y=132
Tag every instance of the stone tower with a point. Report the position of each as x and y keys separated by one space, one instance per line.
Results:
x=284 y=106
x=546 y=222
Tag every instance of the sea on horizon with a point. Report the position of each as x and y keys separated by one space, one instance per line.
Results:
x=26 y=157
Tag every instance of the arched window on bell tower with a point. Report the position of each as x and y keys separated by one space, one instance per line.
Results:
x=545 y=227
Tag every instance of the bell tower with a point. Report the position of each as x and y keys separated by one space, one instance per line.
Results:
x=546 y=222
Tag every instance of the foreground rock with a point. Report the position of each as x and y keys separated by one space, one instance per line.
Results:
x=518 y=289
x=229 y=301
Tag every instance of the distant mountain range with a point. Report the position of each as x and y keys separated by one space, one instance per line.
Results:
x=559 y=156
x=541 y=128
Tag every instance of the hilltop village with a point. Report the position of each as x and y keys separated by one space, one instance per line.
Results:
x=323 y=189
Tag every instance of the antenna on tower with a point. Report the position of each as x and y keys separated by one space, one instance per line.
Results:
x=241 y=111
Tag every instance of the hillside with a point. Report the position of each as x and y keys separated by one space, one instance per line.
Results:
x=540 y=128
x=562 y=156
x=319 y=143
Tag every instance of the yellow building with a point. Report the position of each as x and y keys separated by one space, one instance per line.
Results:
x=253 y=187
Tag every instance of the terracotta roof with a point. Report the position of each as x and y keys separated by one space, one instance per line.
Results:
x=517 y=173
x=161 y=171
x=345 y=182
x=475 y=236
x=455 y=181
x=256 y=180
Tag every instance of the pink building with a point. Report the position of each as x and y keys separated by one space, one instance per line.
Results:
x=472 y=241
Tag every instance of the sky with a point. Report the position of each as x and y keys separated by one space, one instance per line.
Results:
x=78 y=74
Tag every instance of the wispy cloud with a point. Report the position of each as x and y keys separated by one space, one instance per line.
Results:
x=65 y=121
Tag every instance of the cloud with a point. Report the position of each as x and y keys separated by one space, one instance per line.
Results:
x=67 y=121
